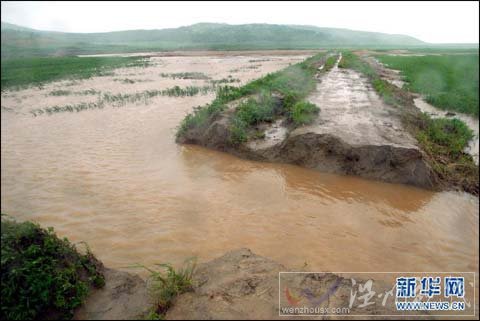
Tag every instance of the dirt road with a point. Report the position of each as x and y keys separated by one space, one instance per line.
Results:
x=355 y=133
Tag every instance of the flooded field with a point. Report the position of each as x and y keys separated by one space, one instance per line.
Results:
x=115 y=178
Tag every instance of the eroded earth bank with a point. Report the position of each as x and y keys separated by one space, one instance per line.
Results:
x=355 y=133
x=238 y=285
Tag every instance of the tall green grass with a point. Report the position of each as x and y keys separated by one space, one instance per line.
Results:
x=22 y=72
x=449 y=82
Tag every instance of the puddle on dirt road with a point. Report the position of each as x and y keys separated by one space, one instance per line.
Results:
x=116 y=179
x=351 y=110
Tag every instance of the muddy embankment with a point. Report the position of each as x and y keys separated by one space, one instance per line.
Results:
x=395 y=77
x=355 y=133
x=237 y=285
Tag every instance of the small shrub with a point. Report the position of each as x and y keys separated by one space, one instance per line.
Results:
x=127 y=81
x=253 y=112
x=43 y=276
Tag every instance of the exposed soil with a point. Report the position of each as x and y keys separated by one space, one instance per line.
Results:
x=242 y=285
x=237 y=285
x=355 y=133
x=124 y=297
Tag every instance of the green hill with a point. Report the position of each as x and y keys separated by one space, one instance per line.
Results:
x=20 y=41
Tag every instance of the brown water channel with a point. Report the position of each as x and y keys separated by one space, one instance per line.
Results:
x=116 y=179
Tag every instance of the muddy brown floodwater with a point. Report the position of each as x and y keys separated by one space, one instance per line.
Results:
x=115 y=178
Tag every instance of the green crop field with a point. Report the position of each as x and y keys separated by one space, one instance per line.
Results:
x=36 y=71
x=449 y=82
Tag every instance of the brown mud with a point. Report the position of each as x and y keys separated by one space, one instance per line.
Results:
x=355 y=133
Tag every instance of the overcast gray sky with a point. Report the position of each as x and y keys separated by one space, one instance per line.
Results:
x=438 y=22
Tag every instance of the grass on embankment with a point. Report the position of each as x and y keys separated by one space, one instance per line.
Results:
x=449 y=82
x=442 y=139
x=21 y=72
x=43 y=276
x=279 y=94
x=330 y=62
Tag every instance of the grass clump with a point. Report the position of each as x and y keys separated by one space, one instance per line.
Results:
x=303 y=113
x=253 y=111
x=259 y=60
x=330 y=62
x=165 y=285
x=177 y=91
x=125 y=81
x=449 y=82
x=185 y=75
x=63 y=92
x=86 y=92
x=60 y=92
x=43 y=276
x=228 y=80
x=445 y=136
x=444 y=141
x=238 y=132
x=68 y=108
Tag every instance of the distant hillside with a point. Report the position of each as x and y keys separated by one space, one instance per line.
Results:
x=21 y=41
